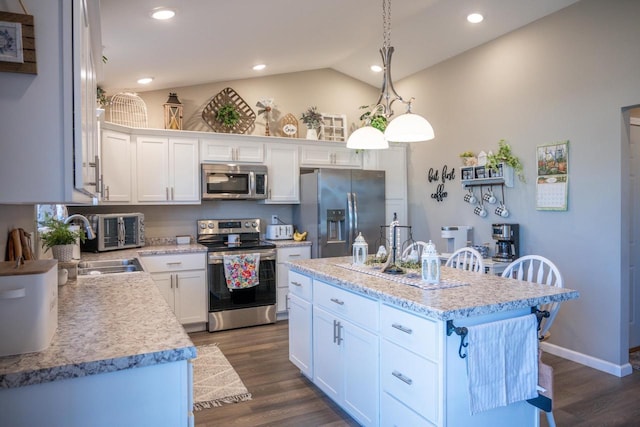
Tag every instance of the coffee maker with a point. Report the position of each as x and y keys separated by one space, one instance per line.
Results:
x=507 y=237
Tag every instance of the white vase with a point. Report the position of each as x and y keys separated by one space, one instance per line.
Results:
x=62 y=253
x=312 y=134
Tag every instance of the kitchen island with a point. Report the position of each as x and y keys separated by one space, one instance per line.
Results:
x=118 y=357
x=379 y=346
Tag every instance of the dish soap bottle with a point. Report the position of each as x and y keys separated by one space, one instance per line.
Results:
x=430 y=264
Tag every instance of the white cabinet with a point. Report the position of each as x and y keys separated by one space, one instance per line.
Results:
x=167 y=170
x=231 y=151
x=394 y=162
x=283 y=256
x=329 y=155
x=117 y=167
x=345 y=344
x=300 y=322
x=41 y=115
x=283 y=175
x=181 y=279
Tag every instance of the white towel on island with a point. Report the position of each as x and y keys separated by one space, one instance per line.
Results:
x=502 y=362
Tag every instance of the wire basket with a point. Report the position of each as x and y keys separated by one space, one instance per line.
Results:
x=128 y=109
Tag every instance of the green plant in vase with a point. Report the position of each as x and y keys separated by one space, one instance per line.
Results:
x=59 y=236
x=504 y=155
x=311 y=118
x=375 y=117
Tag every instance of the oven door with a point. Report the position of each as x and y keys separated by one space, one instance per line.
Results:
x=221 y=298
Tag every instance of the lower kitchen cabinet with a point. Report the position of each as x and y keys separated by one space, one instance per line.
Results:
x=284 y=255
x=182 y=282
x=300 y=323
x=345 y=354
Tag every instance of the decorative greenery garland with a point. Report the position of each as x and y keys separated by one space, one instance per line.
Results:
x=228 y=115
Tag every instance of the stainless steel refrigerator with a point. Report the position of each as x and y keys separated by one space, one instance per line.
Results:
x=337 y=204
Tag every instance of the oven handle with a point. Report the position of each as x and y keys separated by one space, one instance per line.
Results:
x=219 y=259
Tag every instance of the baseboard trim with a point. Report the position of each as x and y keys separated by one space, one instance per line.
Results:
x=590 y=361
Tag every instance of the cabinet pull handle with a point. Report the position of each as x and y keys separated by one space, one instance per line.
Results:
x=166 y=193
x=107 y=191
x=172 y=194
x=296 y=283
x=402 y=328
x=335 y=331
x=177 y=281
x=337 y=301
x=171 y=281
x=174 y=262
x=402 y=378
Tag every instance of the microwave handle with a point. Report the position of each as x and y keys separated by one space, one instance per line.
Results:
x=252 y=183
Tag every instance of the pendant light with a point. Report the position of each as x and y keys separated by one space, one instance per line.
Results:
x=408 y=127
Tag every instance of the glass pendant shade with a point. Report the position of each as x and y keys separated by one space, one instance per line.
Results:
x=367 y=138
x=409 y=127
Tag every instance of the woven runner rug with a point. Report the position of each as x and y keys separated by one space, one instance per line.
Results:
x=634 y=359
x=215 y=382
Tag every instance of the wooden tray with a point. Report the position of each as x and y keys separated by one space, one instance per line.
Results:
x=224 y=97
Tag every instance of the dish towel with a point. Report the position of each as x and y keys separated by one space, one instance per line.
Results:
x=241 y=271
x=502 y=362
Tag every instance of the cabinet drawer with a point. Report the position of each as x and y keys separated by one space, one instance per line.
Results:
x=300 y=285
x=294 y=253
x=353 y=307
x=174 y=262
x=395 y=414
x=420 y=335
x=410 y=379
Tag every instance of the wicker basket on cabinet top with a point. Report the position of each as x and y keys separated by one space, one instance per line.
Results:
x=128 y=109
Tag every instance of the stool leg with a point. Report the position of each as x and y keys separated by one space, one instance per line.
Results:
x=550 y=419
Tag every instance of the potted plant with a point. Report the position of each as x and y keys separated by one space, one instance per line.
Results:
x=468 y=158
x=376 y=118
x=504 y=155
x=312 y=119
x=59 y=237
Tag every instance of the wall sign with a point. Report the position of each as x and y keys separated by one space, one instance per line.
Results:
x=17 y=43
x=441 y=177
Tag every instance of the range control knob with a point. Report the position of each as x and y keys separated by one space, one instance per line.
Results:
x=203 y=225
x=212 y=225
x=246 y=224
x=254 y=224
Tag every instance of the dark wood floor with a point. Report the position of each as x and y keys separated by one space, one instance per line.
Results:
x=283 y=397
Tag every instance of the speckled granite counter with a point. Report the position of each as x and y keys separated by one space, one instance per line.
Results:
x=481 y=294
x=289 y=243
x=105 y=324
x=145 y=250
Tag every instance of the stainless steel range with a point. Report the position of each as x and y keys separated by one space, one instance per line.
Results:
x=237 y=308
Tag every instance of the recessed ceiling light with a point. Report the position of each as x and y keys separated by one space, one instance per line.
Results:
x=475 y=18
x=162 y=13
x=259 y=67
x=376 y=68
x=145 y=80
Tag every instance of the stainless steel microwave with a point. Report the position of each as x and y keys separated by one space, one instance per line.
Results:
x=115 y=231
x=221 y=181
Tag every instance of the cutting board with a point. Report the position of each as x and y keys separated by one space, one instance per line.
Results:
x=8 y=268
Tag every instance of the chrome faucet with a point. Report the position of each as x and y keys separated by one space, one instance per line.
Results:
x=90 y=233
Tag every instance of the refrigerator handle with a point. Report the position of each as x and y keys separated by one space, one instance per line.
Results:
x=354 y=197
x=350 y=218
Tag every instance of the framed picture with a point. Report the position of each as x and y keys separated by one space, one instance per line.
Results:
x=11 y=42
x=17 y=43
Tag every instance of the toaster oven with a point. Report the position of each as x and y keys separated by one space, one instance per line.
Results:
x=115 y=231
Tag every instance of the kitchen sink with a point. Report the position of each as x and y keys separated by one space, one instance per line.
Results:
x=129 y=265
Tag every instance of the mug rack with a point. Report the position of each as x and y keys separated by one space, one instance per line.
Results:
x=471 y=176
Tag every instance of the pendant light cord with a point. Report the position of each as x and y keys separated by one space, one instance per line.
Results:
x=386 y=23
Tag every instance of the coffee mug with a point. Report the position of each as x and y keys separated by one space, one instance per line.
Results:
x=480 y=211
x=502 y=211
x=63 y=276
x=489 y=197
x=470 y=198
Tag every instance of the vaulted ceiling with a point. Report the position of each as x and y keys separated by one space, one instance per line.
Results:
x=220 y=40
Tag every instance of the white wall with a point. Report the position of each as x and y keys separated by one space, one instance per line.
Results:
x=566 y=76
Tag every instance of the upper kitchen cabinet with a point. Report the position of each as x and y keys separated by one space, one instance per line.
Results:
x=394 y=162
x=283 y=179
x=333 y=155
x=226 y=150
x=117 y=167
x=48 y=119
x=167 y=170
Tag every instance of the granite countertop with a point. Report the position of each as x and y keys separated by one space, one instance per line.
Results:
x=143 y=251
x=105 y=323
x=475 y=294
x=289 y=243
